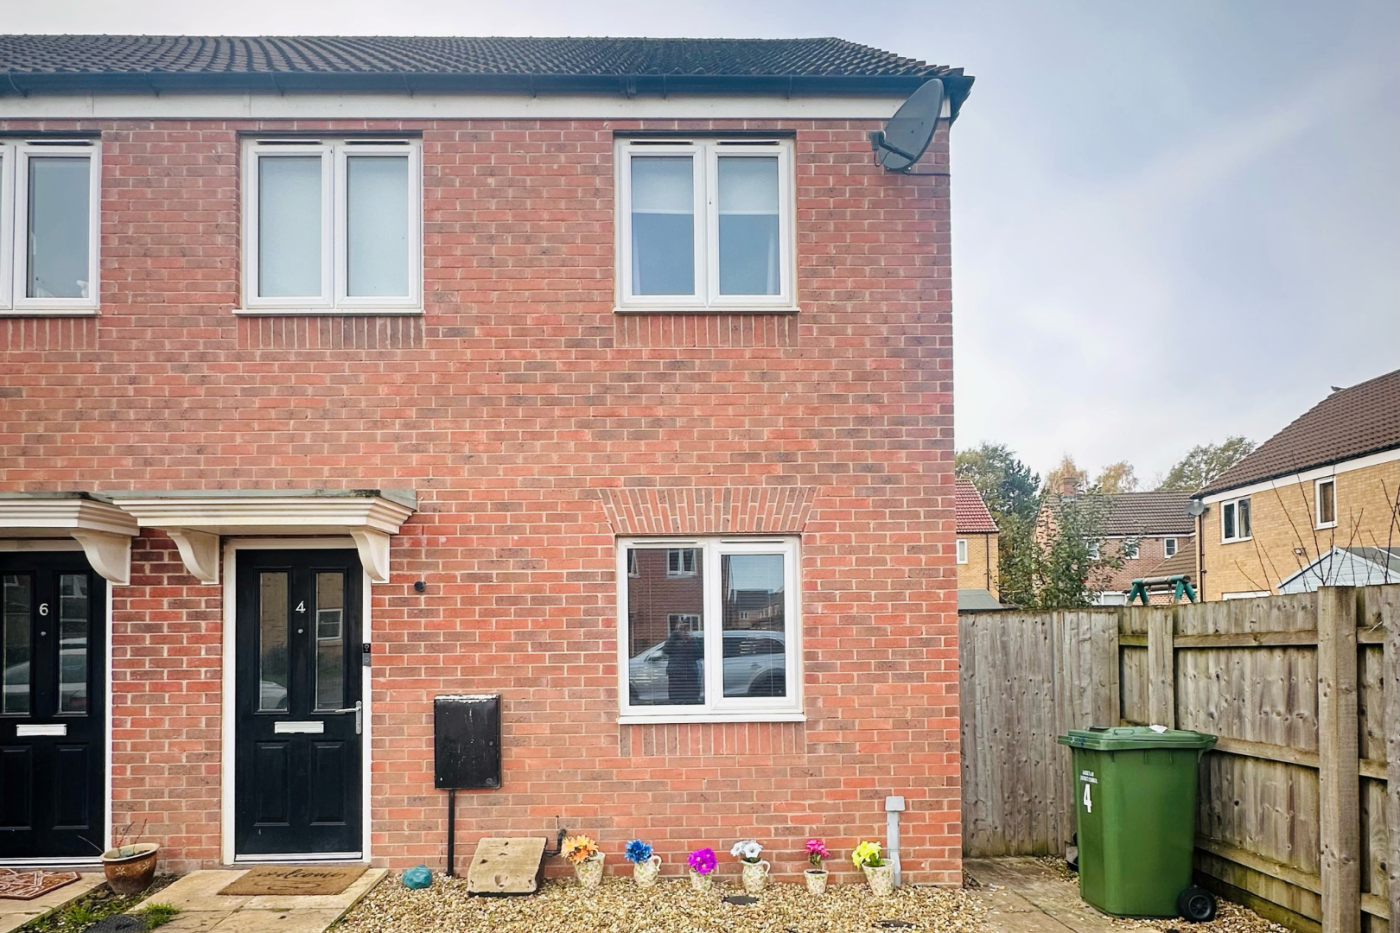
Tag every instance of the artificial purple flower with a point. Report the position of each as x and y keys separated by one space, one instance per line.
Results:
x=703 y=861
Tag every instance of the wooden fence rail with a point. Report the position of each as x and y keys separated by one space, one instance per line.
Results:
x=1299 y=813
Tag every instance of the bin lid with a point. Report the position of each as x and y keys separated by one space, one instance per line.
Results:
x=1121 y=738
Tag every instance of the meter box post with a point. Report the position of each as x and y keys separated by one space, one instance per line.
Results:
x=1135 y=802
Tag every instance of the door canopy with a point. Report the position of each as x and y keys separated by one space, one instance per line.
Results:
x=95 y=522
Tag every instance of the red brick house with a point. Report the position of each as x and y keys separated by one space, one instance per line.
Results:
x=339 y=374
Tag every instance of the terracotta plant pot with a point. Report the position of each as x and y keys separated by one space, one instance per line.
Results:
x=590 y=872
x=816 y=880
x=129 y=869
x=755 y=875
x=699 y=882
x=646 y=873
x=881 y=880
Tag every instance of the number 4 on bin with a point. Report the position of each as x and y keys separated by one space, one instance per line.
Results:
x=1088 y=800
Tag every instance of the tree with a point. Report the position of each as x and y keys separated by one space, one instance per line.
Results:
x=1071 y=565
x=1067 y=469
x=1202 y=464
x=1117 y=477
x=1006 y=484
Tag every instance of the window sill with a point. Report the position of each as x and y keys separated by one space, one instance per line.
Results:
x=328 y=312
x=48 y=312
x=693 y=310
x=1325 y=525
x=1236 y=540
x=643 y=719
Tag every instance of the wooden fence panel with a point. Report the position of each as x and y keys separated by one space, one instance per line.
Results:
x=1300 y=802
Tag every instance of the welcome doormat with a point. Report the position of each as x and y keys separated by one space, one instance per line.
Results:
x=285 y=880
x=20 y=885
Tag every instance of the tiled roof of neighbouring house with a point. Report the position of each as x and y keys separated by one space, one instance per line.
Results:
x=1347 y=424
x=973 y=517
x=57 y=62
x=1182 y=562
x=1149 y=513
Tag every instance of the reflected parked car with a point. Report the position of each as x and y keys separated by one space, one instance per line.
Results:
x=754 y=666
x=73 y=690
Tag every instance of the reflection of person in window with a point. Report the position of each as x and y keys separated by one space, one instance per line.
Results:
x=682 y=664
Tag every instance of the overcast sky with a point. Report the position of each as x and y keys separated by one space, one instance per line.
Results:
x=1173 y=221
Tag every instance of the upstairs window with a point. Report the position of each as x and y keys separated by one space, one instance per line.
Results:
x=1326 y=496
x=332 y=226
x=705 y=225
x=1168 y=547
x=49 y=226
x=1234 y=520
x=962 y=550
x=1129 y=550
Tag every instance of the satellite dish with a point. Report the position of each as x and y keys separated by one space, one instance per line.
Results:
x=907 y=135
x=1195 y=508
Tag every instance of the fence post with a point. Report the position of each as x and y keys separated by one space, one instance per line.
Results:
x=1340 y=756
x=1391 y=688
x=1161 y=667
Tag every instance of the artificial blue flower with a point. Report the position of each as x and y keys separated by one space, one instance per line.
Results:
x=637 y=851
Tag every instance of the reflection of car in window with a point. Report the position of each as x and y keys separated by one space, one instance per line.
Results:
x=754 y=666
x=72 y=681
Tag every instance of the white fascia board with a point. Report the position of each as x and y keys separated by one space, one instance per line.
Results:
x=1306 y=476
x=370 y=106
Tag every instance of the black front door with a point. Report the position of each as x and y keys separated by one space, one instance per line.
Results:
x=297 y=773
x=53 y=667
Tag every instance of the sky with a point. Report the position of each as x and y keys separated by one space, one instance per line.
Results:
x=1173 y=221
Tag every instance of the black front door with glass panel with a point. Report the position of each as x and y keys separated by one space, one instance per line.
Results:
x=297 y=771
x=53 y=662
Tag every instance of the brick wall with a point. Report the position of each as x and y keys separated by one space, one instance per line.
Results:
x=1282 y=524
x=1152 y=550
x=510 y=407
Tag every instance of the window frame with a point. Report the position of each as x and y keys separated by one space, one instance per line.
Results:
x=15 y=157
x=334 y=298
x=1318 y=523
x=705 y=154
x=960 y=549
x=1130 y=549
x=1235 y=504
x=717 y=707
x=1174 y=547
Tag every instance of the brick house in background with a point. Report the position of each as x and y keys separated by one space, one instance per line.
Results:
x=343 y=373
x=1145 y=529
x=1316 y=504
x=976 y=550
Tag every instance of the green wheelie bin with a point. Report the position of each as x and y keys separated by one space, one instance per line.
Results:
x=1135 y=799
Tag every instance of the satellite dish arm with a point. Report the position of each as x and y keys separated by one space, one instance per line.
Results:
x=878 y=138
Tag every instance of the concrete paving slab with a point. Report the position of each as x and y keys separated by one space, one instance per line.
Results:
x=195 y=921
x=199 y=891
x=1014 y=884
x=204 y=910
x=15 y=914
x=297 y=920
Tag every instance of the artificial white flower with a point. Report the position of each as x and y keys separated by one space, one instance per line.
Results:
x=752 y=851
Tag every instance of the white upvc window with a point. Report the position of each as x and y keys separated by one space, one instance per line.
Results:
x=1325 y=497
x=332 y=226
x=1168 y=547
x=720 y=645
x=705 y=225
x=50 y=193
x=1129 y=549
x=962 y=550
x=1235 y=520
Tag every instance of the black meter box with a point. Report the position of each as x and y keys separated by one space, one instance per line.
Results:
x=467 y=741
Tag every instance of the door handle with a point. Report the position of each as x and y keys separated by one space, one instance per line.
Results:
x=359 y=710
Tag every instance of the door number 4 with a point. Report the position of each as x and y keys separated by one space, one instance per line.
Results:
x=301 y=606
x=1088 y=800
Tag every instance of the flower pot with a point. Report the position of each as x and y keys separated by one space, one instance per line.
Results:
x=129 y=869
x=755 y=876
x=699 y=882
x=645 y=873
x=590 y=871
x=881 y=880
x=816 y=880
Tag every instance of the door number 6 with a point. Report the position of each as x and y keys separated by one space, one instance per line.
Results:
x=43 y=609
x=1088 y=800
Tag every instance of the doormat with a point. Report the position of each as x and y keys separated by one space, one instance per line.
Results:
x=284 y=880
x=20 y=885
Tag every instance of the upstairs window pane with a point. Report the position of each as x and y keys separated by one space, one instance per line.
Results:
x=58 y=227
x=289 y=226
x=377 y=219
x=749 y=251
x=663 y=225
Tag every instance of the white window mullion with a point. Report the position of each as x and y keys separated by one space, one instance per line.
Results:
x=332 y=215
x=334 y=227
x=8 y=236
x=714 y=635
x=707 y=224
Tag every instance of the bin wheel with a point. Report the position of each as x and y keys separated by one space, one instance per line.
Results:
x=1196 y=904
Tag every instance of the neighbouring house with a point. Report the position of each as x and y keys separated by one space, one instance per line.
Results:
x=609 y=376
x=1313 y=504
x=976 y=550
x=1144 y=530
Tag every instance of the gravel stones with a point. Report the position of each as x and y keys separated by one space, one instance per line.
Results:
x=619 y=906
